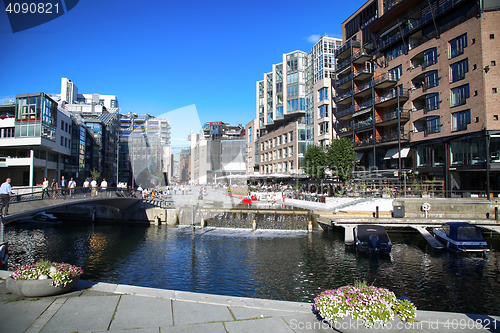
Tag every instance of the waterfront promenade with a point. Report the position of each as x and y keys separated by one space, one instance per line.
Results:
x=104 y=307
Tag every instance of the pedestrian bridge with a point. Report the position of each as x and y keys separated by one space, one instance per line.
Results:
x=27 y=204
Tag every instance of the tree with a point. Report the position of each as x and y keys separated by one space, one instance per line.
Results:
x=341 y=158
x=95 y=174
x=315 y=161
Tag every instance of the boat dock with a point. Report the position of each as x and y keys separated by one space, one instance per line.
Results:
x=420 y=225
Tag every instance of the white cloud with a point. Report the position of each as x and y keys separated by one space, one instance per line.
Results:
x=313 y=38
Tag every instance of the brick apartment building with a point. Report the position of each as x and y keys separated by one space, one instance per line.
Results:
x=417 y=90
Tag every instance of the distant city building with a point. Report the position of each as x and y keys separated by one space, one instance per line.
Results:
x=143 y=139
x=219 y=150
x=252 y=147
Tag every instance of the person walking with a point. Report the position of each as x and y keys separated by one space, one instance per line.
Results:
x=5 y=193
x=71 y=187
x=104 y=186
x=53 y=186
x=86 y=186
x=63 y=185
x=93 y=185
x=45 y=188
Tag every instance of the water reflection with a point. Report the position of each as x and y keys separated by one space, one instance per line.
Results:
x=283 y=265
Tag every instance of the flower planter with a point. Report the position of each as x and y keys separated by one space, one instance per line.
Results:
x=38 y=288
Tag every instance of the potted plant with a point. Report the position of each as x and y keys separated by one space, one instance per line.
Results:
x=43 y=278
x=370 y=304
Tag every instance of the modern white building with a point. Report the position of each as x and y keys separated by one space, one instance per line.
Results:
x=35 y=136
x=294 y=107
x=85 y=103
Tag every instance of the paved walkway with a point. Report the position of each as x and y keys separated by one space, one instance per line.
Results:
x=104 y=307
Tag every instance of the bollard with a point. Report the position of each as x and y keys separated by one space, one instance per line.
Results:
x=254 y=225
x=158 y=220
x=310 y=226
x=496 y=213
x=202 y=223
x=376 y=212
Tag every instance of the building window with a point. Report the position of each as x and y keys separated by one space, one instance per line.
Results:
x=492 y=36
x=323 y=128
x=458 y=70
x=250 y=134
x=62 y=125
x=396 y=72
x=460 y=120
x=494 y=90
x=459 y=95
x=433 y=125
x=323 y=94
x=290 y=151
x=291 y=136
x=431 y=102
x=457 y=46
x=323 y=111
x=431 y=80
x=285 y=138
x=430 y=57
x=493 y=63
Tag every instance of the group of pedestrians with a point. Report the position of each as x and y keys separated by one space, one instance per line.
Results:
x=64 y=187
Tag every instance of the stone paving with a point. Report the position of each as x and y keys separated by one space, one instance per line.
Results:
x=104 y=307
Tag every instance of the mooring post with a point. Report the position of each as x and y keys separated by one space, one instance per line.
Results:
x=496 y=213
x=376 y=212
x=254 y=225
x=202 y=223
x=310 y=226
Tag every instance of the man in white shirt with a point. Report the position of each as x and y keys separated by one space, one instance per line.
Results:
x=104 y=186
x=71 y=186
x=5 y=193
x=93 y=185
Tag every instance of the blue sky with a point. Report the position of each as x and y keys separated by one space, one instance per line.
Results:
x=158 y=56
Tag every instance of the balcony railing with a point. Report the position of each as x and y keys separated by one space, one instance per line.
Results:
x=417 y=24
x=362 y=87
x=344 y=96
x=364 y=105
x=391 y=95
x=363 y=70
x=363 y=124
x=432 y=129
x=344 y=80
x=392 y=116
x=363 y=143
x=355 y=43
x=346 y=112
x=343 y=64
x=393 y=137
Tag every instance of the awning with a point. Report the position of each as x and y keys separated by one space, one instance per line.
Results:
x=394 y=153
x=359 y=156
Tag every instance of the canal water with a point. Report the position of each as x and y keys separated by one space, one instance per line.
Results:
x=281 y=265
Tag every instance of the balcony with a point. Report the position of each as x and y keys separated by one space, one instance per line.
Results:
x=345 y=114
x=432 y=129
x=363 y=73
x=363 y=143
x=344 y=98
x=391 y=98
x=363 y=124
x=361 y=56
x=345 y=50
x=363 y=90
x=391 y=118
x=405 y=136
x=343 y=64
x=415 y=25
x=386 y=80
x=344 y=131
x=344 y=82
x=363 y=105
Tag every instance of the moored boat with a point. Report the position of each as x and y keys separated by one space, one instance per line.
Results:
x=372 y=238
x=461 y=237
